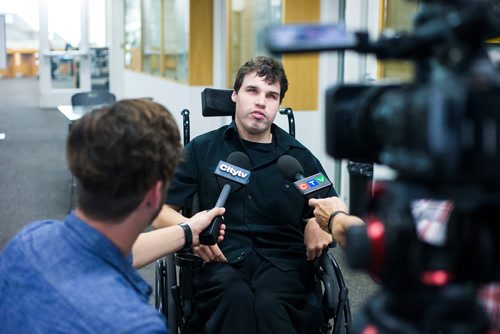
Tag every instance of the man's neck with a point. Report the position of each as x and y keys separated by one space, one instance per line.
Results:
x=121 y=233
x=263 y=138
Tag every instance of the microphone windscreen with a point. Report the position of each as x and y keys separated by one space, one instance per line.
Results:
x=239 y=159
x=289 y=167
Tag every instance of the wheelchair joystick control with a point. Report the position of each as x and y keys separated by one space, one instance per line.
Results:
x=231 y=176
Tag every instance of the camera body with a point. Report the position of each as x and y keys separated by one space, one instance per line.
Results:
x=441 y=134
x=445 y=131
x=444 y=126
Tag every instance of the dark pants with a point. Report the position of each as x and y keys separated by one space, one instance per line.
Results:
x=252 y=297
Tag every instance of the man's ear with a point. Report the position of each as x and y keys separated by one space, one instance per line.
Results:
x=234 y=95
x=154 y=197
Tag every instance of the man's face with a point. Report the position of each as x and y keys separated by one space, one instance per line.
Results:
x=257 y=104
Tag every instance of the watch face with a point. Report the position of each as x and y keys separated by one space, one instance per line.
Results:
x=494 y=53
x=495 y=5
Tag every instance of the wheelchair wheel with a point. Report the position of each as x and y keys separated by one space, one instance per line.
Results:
x=171 y=286
x=165 y=287
x=335 y=301
x=159 y=285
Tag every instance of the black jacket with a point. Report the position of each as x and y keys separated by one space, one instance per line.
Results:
x=267 y=215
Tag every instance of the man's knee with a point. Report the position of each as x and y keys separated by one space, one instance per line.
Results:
x=223 y=286
x=237 y=292
x=228 y=310
x=268 y=305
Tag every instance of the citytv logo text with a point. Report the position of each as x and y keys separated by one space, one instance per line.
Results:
x=226 y=168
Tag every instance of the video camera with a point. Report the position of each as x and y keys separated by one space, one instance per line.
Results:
x=441 y=134
x=443 y=126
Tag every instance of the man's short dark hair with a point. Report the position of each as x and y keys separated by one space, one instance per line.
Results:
x=117 y=154
x=269 y=68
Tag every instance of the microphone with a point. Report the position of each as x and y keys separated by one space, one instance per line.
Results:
x=314 y=186
x=231 y=176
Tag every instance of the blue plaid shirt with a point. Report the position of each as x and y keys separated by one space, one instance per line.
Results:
x=66 y=277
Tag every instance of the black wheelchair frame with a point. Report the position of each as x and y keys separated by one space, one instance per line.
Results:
x=174 y=295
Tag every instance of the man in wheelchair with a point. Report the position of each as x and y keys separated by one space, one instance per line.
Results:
x=257 y=279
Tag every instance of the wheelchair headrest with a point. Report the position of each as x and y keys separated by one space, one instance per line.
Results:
x=217 y=102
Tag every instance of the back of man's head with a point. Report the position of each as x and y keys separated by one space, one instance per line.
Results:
x=118 y=153
x=263 y=66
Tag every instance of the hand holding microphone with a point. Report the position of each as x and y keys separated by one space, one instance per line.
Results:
x=200 y=221
x=316 y=185
x=231 y=175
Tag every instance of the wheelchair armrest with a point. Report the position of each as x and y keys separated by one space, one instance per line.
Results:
x=188 y=260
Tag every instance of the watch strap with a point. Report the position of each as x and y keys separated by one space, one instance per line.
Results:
x=188 y=235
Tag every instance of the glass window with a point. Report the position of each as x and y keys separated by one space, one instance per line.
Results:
x=152 y=36
x=176 y=40
x=398 y=15
x=99 y=53
x=248 y=19
x=157 y=38
x=133 y=42
x=97 y=23
x=64 y=35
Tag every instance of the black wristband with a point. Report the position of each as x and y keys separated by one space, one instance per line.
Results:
x=188 y=236
x=332 y=216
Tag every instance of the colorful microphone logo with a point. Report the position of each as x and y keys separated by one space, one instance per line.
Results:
x=312 y=185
